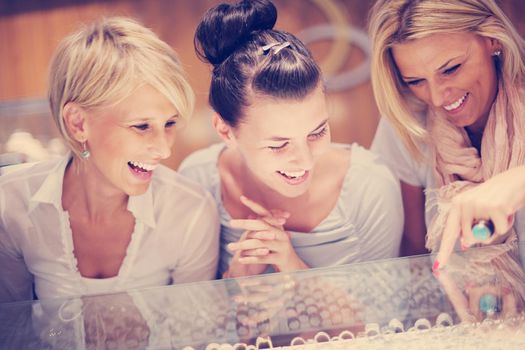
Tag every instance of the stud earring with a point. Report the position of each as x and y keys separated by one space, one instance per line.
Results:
x=497 y=53
x=85 y=152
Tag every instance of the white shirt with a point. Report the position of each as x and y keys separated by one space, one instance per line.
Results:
x=175 y=238
x=420 y=174
x=365 y=224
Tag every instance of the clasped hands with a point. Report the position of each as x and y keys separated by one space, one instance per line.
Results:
x=264 y=242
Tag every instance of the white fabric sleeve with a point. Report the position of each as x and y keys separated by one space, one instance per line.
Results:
x=390 y=147
x=200 y=247
x=16 y=282
x=380 y=220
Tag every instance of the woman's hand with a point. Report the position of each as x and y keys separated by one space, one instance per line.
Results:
x=264 y=241
x=497 y=199
x=237 y=269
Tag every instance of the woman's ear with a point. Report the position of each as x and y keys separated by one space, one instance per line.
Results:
x=75 y=121
x=224 y=131
x=494 y=46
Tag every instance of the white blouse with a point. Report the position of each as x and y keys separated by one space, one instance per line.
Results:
x=175 y=238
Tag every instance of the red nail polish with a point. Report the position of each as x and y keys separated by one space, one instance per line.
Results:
x=435 y=267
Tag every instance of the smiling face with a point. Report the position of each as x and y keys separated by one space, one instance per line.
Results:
x=453 y=73
x=281 y=141
x=128 y=141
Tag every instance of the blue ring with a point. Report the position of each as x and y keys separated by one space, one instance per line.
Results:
x=488 y=303
x=482 y=230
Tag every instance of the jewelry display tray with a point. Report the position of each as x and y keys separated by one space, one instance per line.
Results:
x=394 y=303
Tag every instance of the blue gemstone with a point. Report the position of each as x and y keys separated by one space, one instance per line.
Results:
x=488 y=303
x=481 y=232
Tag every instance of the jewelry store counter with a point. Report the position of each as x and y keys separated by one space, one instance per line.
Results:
x=475 y=302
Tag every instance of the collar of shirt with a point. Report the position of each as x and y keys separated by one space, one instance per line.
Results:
x=141 y=206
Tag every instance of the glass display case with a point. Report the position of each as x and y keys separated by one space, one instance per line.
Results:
x=475 y=302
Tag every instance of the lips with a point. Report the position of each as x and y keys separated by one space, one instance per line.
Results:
x=292 y=174
x=294 y=177
x=456 y=104
x=142 y=171
x=142 y=167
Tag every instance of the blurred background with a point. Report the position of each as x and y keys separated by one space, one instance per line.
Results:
x=30 y=30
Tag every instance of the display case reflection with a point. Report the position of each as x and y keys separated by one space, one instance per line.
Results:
x=485 y=284
x=363 y=301
x=382 y=304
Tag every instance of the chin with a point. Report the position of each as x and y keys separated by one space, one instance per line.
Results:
x=460 y=122
x=136 y=190
x=293 y=192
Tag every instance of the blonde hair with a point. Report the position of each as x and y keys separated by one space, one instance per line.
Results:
x=105 y=62
x=397 y=21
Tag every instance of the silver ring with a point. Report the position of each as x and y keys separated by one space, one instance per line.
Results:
x=422 y=324
x=444 y=320
x=396 y=325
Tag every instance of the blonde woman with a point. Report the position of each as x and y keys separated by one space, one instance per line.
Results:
x=448 y=78
x=108 y=216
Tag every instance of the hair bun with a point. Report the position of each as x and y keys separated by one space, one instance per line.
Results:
x=226 y=27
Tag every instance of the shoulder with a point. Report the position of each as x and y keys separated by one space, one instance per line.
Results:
x=202 y=158
x=369 y=184
x=372 y=195
x=170 y=185
x=369 y=166
x=390 y=147
x=201 y=165
x=27 y=177
x=20 y=183
x=26 y=171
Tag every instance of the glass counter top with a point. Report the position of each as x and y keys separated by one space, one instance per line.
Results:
x=477 y=301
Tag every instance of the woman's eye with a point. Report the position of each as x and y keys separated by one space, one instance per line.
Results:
x=278 y=148
x=171 y=123
x=141 y=127
x=414 y=82
x=451 y=69
x=319 y=134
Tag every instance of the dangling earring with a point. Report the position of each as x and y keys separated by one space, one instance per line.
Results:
x=85 y=152
x=497 y=53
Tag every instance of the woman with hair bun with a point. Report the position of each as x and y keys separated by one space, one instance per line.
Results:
x=288 y=198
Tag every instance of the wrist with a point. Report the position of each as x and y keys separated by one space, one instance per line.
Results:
x=293 y=264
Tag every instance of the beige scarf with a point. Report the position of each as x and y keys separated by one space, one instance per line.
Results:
x=458 y=166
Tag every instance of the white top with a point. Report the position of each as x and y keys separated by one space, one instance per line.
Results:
x=365 y=224
x=175 y=238
x=420 y=174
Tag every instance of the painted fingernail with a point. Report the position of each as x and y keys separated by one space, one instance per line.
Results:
x=435 y=267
